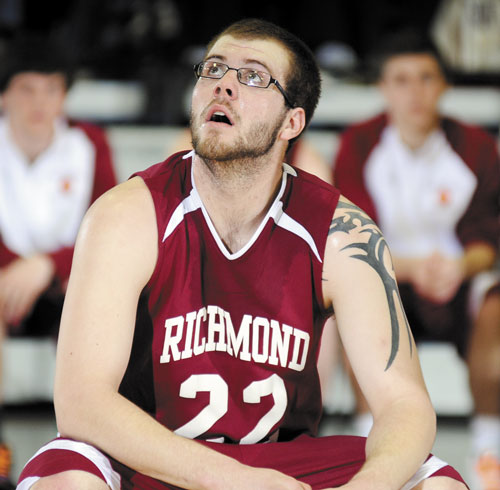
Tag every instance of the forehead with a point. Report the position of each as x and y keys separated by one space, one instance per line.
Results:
x=414 y=63
x=32 y=77
x=239 y=52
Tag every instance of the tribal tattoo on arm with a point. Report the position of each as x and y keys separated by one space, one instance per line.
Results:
x=372 y=253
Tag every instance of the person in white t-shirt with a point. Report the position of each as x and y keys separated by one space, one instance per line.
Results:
x=51 y=170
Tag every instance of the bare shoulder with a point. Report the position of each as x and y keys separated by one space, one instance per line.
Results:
x=127 y=204
x=350 y=226
x=121 y=225
x=355 y=249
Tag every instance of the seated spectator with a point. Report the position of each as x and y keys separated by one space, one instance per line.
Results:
x=432 y=184
x=51 y=170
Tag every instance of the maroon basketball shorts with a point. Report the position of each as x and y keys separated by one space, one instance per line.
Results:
x=321 y=462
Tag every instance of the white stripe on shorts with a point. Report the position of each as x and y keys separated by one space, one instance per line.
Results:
x=432 y=465
x=27 y=483
x=113 y=479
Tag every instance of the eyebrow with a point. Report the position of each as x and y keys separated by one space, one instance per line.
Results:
x=247 y=61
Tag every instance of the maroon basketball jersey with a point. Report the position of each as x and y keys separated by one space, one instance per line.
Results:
x=236 y=335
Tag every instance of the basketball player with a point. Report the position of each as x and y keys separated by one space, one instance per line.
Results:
x=243 y=259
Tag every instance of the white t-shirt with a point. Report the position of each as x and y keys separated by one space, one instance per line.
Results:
x=43 y=202
x=419 y=195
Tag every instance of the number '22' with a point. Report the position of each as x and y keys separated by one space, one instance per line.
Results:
x=218 y=404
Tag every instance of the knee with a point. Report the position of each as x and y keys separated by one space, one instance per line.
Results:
x=70 y=480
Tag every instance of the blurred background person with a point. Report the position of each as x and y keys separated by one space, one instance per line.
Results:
x=51 y=170
x=432 y=184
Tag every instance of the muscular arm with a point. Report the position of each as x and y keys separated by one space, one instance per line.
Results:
x=359 y=281
x=114 y=258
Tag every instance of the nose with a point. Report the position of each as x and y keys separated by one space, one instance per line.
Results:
x=38 y=98
x=228 y=85
x=417 y=87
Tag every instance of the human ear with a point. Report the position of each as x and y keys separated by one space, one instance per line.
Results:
x=294 y=123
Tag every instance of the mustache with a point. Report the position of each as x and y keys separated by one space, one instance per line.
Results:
x=223 y=103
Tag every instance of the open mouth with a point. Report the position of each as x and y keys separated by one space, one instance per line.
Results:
x=220 y=117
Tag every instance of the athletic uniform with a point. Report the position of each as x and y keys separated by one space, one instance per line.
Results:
x=440 y=197
x=43 y=202
x=235 y=337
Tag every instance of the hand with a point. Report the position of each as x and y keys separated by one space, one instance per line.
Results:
x=448 y=275
x=438 y=277
x=21 y=284
x=421 y=277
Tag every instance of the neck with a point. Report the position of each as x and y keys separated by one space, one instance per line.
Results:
x=414 y=136
x=32 y=143
x=237 y=195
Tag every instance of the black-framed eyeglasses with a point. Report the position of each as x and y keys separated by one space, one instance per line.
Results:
x=246 y=76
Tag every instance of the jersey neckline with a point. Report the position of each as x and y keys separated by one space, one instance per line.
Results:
x=274 y=212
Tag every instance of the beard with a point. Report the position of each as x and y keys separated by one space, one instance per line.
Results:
x=243 y=152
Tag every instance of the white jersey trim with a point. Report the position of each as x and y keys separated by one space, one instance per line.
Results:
x=194 y=202
x=188 y=205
